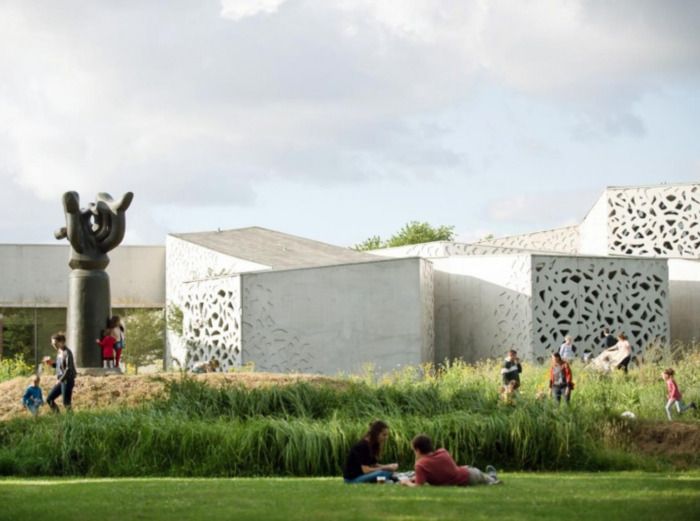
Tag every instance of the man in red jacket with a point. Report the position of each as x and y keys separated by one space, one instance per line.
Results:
x=436 y=467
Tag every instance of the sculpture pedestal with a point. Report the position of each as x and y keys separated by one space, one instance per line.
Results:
x=88 y=312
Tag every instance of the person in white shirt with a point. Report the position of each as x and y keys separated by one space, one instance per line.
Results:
x=567 y=351
x=625 y=349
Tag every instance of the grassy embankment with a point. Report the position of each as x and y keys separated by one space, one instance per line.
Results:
x=305 y=430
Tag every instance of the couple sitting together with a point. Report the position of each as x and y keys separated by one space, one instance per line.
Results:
x=434 y=467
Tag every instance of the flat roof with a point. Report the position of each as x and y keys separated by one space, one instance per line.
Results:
x=275 y=249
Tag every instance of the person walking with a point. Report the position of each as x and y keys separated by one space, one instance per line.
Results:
x=619 y=355
x=33 y=398
x=560 y=379
x=510 y=372
x=65 y=374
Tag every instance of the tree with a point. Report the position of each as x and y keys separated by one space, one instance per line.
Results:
x=175 y=319
x=373 y=243
x=414 y=232
x=17 y=333
x=145 y=340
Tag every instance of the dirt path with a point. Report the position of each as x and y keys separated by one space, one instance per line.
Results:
x=96 y=392
x=679 y=442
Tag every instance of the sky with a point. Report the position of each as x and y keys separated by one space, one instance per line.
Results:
x=337 y=120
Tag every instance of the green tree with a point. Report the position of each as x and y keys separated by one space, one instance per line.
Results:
x=145 y=340
x=417 y=232
x=373 y=243
x=175 y=318
x=17 y=333
x=414 y=232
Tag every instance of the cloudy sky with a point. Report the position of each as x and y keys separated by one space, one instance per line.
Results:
x=341 y=119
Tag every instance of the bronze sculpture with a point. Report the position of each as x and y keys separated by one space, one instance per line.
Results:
x=92 y=232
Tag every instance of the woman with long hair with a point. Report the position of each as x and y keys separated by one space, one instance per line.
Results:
x=362 y=465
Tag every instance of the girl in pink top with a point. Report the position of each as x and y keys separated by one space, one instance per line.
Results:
x=674 y=394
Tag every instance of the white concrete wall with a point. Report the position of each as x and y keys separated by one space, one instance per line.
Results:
x=187 y=262
x=593 y=230
x=684 y=282
x=439 y=249
x=427 y=250
x=656 y=221
x=578 y=296
x=212 y=321
x=427 y=294
x=335 y=319
x=33 y=275
x=562 y=240
x=482 y=306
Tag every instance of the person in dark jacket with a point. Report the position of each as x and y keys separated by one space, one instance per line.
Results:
x=65 y=374
x=362 y=465
x=511 y=369
x=608 y=340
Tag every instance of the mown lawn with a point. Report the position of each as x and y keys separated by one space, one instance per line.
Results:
x=524 y=496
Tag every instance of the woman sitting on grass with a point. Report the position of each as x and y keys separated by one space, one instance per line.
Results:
x=361 y=465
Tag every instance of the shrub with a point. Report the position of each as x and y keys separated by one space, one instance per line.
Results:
x=13 y=367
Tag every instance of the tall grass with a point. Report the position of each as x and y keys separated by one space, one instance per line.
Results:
x=304 y=429
x=148 y=443
x=13 y=367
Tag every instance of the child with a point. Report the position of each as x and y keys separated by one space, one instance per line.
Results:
x=116 y=329
x=107 y=343
x=32 y=398
x=674 y=395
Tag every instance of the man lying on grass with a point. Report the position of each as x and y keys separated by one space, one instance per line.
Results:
x=436 y=467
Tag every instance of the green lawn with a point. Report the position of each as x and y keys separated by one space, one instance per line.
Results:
x=524 y=496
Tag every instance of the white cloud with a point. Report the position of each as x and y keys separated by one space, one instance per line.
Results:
x=238 y=9
x=192 y=103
